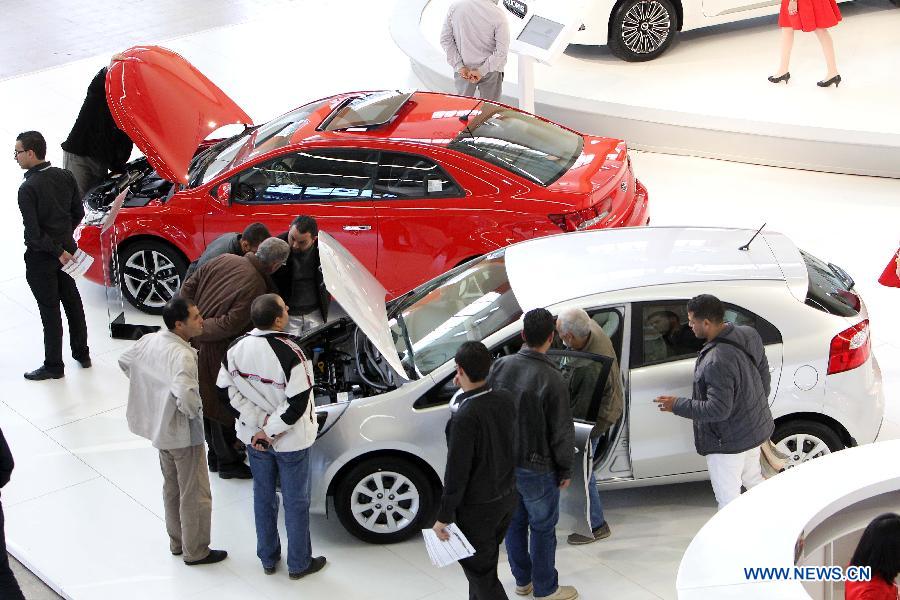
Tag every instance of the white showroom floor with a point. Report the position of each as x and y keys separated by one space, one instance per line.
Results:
x=84 y=507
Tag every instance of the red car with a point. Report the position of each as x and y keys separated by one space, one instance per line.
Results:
x=412 y=184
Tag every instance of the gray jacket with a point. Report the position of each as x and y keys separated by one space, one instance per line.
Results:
x=546 y=430
x=730 y=407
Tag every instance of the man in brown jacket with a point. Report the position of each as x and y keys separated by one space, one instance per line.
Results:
x=223 y=289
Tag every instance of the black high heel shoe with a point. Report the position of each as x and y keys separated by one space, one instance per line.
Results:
x=784 y=77
x=836 y=80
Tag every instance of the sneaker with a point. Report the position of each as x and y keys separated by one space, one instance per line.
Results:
x=238 y=471
x=525 y=590
x=576 y=539
x=42 y=373
x=214 y=556
x=563 y=592
x=315 y=565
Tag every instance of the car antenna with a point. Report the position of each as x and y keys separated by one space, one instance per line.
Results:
x=746 y=246
x=465 y=118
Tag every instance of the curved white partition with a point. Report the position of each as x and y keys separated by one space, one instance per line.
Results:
x=715 y=101
x=762 y=527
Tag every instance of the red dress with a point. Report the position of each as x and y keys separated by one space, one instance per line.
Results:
x=811 y=15
x=877 y=589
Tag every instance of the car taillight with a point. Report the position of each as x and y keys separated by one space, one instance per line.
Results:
x=849 y=349
x=582 y=219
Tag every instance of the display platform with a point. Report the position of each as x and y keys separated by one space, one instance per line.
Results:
x=708 y=94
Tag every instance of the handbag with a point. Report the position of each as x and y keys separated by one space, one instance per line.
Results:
x=772 y=461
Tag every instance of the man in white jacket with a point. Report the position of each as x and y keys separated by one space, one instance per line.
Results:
x=269 y=383
x=164 y=406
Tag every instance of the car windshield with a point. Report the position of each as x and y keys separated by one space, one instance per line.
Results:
x=274 y=134
x=829 y=288
x=469 y=303
x=520 y=143
x=366 y=111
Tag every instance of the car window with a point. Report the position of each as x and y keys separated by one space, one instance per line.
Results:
x=667 y=336
x=829 y=288
x=412 y=176
x=585 y=375
x=308 y=176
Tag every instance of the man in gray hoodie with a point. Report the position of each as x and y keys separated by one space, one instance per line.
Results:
x=730 y=403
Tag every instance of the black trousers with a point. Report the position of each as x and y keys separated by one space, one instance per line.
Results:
x=51 y=287
x=220 y=442
x=485 y=527
x=9 y=587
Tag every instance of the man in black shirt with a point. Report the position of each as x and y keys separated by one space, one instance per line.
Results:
x=679 y=339
x=235 y=243
x=51 y=209
x=479 y=481
x=9 y=587
x=300 y=281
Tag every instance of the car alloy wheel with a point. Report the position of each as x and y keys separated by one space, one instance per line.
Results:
x=384 y=500
x=151 y=274
x=641 y=30
x=802 y=441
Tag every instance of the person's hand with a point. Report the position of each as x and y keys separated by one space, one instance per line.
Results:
x=465 y=73
x=65 y=257
x=441 y=530
x=564 y=483
x=665 y=403
x=260 y=435
x=792 y=7
x=474 y=75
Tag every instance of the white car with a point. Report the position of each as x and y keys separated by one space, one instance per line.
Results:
x=384 y=374
x=640 y=30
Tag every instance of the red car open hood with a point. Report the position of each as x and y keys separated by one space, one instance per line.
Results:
x=166 y=106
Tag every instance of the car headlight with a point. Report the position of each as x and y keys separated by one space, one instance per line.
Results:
x=93 y=216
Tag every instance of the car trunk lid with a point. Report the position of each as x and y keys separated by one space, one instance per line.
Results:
x=167 y=107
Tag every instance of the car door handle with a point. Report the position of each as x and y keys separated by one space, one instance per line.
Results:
x=357 y=227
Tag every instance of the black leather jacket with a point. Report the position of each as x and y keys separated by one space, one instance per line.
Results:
x=284 y=281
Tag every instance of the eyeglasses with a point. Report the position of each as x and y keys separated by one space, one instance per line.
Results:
x=16 y=153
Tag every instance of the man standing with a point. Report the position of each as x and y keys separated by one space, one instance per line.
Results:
x=479 y=479
x=300 y=281
x=9 y=587
x=579 y=332
x=238 y=244
x=224 y=288
x=269 y=382
x=164 y=406
x=475 y=38
x=95 y=145
x=51 y=210
x=730 y=403
x=546 y=452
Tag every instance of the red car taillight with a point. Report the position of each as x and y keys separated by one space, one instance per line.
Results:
x=582 y=219
x=849 y=349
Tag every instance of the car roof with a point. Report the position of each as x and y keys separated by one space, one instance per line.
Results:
x=548 y=270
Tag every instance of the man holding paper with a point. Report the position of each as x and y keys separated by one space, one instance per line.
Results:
x=479 y=481
x=51 y=210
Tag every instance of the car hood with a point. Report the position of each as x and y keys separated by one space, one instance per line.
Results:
x=360 y=294
x=166 y=106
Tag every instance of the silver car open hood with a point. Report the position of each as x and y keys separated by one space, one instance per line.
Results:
x=360 y=294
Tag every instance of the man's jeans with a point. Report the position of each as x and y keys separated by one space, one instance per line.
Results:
x=597 y=518
x=293 y=469
x=534 y=560
x=298 y=324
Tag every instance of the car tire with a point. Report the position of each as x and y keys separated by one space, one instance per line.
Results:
x=804 y=440
x=362 y=514
x=150 y=274
x=641 y=30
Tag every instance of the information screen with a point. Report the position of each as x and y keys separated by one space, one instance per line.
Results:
x=540 y=32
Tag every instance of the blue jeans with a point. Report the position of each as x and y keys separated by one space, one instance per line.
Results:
x=293 y=470
x=537 y=513
x=597 y=518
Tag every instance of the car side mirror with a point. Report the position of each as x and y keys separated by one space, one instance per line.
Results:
x=223 y=193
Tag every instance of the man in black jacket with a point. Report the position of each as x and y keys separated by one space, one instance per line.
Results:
x=300 y=280
x=545 y=456
x=730 y=403
x=235 y=243
x=51 y=210
x=9 y=587
x=95 y=145
x=479 y=480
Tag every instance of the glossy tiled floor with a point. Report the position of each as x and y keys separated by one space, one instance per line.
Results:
x=84 y=508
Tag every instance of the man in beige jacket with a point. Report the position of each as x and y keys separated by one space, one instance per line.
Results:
x=164 y=407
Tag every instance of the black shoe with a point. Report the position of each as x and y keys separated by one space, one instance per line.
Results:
x=84 y=362
x=179 y=553
x=239 y=471
x=836 y=80
x=315 y=565
x=785 y=77
x=269 y=570
x=214 y=556
x=42 y=373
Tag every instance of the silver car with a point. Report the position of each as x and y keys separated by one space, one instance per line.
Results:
x=384 y=373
